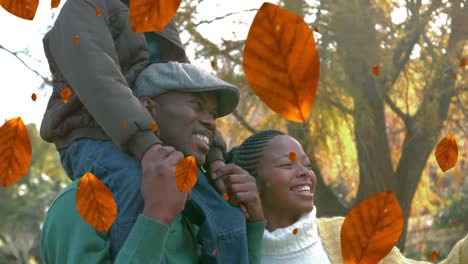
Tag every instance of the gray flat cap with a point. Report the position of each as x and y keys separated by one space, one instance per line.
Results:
x=159 y=78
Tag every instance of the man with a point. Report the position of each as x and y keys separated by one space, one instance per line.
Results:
x=103 y=128
x=185 y=102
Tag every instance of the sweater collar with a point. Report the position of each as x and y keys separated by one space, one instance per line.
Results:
x=283 y=240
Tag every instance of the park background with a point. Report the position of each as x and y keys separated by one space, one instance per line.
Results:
x=364 y=128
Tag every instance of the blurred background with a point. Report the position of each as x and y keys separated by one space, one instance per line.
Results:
x=366 y=132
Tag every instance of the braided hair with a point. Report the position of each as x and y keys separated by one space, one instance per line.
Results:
x=247 y=154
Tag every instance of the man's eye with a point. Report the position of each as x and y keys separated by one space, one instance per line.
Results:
x=197 y=104
x=285 y=165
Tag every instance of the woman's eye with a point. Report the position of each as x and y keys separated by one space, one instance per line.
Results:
x=285 y=165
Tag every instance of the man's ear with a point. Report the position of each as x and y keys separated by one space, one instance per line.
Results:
x=150 y=105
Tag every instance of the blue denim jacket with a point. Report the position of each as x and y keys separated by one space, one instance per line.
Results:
x=222 y=227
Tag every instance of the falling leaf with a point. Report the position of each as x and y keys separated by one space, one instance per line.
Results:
x=225 y=197
x=292 y=156
x=154 y=127
x=15 y=151
x=316 y=29
x=97 y=11
x=407 y=135
x=25 y=9
x=213 y=252
x=447 y=153
x=76 y=39
x=66 y=94
x=152 y=15
x=267 y=184
x=33 y=97
x=455 y=223
x=434 y=255
x=124 y=124
x=376 y=70
x=95 y=203
x=371 y=229
x=295 y=231
x=54 y=3
x=281 y=62
x=186 y=174
x=214 y=64
x=462 y=62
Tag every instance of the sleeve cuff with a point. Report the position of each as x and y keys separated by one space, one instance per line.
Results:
x=140 y=142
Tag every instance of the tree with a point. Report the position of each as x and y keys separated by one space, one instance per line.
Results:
x=412 y=95
x=23 y=204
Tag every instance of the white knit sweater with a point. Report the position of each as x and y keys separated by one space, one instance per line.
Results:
x=283 y=246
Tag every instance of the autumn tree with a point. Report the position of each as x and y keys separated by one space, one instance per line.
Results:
x=391 y=83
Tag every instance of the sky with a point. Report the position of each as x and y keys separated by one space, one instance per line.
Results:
x=18 y=83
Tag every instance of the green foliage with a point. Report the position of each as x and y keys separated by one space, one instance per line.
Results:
x=23 y=205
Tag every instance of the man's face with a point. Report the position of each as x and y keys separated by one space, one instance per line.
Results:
x=187 y=121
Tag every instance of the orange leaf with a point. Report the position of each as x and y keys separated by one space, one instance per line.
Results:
x=433 y=256
x=281 y=62
x=316 y=29
x=462 y=62
x=455 y=223
x=154 y=127
x=66 y=94
x=407 y=135
x=292 y=156
x=267 y=184
x=376 y=70
x=371 y=229
x=214 y=64
x=447 y=153
x=33 y=97
x=213 y=252
x=55 y=3
x=295 y=231
x=124 y=124
x=186 y=174
x=15 y=151
x=98 y=11
x=95 y=203
x=152 y=15
x=225 y=197
x=25 y=9
x=76 y=39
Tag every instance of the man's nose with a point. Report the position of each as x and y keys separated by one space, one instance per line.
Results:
x=209 y=121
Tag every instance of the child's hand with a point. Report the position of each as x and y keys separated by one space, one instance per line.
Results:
x=241 y=189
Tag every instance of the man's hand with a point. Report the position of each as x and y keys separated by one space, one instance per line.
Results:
x=242 y=191
x=163 y=200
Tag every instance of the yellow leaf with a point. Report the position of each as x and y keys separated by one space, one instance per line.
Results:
x=447 y=153
x=281 y=62
x=15 y=151
x=95 y=203
x=371 y=229
x=152 y=15
x=186 y=174
x=25 y=9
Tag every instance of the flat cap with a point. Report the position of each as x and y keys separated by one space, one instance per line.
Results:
x=160 y=78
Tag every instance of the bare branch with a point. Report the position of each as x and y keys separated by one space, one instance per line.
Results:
x=243 y=122
x=340 y=106
x=392 y=105
x=223 y=17
x=15 y=54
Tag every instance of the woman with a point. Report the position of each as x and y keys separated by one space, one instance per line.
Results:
x=286 y=185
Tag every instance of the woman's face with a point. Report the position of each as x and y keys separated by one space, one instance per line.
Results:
x=287 y=182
